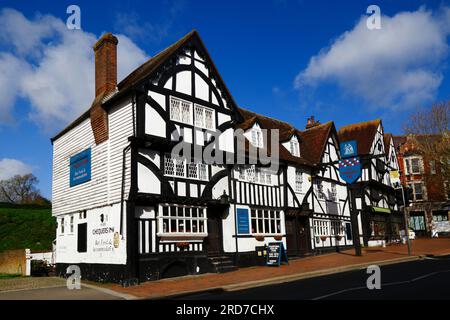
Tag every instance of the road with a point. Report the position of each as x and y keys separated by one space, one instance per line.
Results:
x=422 y=279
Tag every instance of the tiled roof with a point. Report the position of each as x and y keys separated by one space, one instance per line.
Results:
x=387 y=141
x=363 y=133
x=314 y=141
x=286 y=131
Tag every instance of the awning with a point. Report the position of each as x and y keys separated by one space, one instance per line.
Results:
x=381 y=210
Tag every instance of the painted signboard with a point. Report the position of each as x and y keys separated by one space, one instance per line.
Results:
x=80 y=168
x=350 y=169
x=276 y=254
x=349 y=149
x=395 y=179
x=243 y=224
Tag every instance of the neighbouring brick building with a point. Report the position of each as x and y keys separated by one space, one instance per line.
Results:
x=430 y=192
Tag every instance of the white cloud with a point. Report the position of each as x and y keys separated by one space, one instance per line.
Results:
x=11 y=167
x=53 y=67
x=398 y=66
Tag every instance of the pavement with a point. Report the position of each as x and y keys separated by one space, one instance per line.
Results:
x=241 y=279
x=303 y=268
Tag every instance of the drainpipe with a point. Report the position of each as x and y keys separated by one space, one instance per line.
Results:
x=122 y=192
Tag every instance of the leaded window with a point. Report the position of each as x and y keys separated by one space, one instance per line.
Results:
x=180 y=110
x=204 y=117
x=298 y=180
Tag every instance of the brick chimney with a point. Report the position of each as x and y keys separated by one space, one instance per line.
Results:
x=105 y=51
x=311 y=122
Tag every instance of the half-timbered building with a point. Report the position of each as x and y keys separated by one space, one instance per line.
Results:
x=378 y=214
x=330 y=224
x=127 y=206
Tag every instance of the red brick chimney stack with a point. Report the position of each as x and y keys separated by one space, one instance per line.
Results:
x=106 y=64
x=311 y=122
x=105 y=51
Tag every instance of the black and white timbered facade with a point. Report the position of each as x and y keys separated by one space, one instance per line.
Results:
x=378 y=214
x=330 y=224
x=146 y=183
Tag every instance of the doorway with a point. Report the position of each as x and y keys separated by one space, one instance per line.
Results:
x=214 y=239
x=297 y=235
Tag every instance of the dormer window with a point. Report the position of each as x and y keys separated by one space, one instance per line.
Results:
x=257 y=140
x=295 y=148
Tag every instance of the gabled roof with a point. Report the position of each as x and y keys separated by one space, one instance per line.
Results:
x=285 y=130
x=315 y=140
x=364 y=134
x=146 y=69
x=387 y=142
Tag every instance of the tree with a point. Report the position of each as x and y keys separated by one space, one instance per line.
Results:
x=431 y=131
x=20 y=189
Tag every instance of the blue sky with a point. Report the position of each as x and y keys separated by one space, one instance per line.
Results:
x=284 y=58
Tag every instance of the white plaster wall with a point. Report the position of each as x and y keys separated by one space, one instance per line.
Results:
x=100 y=247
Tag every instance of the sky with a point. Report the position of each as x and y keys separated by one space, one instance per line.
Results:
x=287 y=59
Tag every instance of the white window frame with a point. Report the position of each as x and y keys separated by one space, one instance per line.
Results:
x=295 y=148
x=334 y=197
x=179 y=116
x=318 y=187
x=201 y=123
x=71 y=223
x=409 y=165
x=62 y=225
x=261 y=219
x=298 y=180
x=202 y=169
x=321 y=228
x=257 y=137
x=184 y=221
x=412 y=185
x=254 y=174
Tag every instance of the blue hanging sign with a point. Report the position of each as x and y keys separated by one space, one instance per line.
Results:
x=80 y=167
x=350 y=169
x=243 y=224
x=349 y=149
x=276 y=254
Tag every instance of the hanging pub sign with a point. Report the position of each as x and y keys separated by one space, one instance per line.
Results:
x=80 y=167
x=243 y=224
x=349 y=149
x=395 y=179
x=276 y=254
x=350 y=169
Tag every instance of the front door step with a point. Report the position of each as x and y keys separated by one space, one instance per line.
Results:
x=222 y=264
